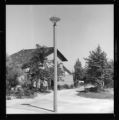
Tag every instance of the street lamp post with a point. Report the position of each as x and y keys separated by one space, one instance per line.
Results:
x=55 y=20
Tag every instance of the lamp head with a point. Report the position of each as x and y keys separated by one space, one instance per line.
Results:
x=54 y=19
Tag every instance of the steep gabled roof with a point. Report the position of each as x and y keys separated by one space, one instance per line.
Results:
x=24 y=56
x=65 y=69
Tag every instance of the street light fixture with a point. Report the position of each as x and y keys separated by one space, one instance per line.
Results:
x=54 y=20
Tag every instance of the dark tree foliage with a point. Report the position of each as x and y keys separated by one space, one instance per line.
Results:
x=108 y=74
x=12 y=72
x=38 y=55
x=96 y=64
x=39 y=68
x=78 y=72
x=36 y=63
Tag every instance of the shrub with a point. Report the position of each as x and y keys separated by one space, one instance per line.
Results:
x=25 y=93
x=60 y=87
x=18 y=95
x=8 y=98
x=71 y=86
x=65 y=86
x=93 y=89
x=110 y=84
x=29 y=93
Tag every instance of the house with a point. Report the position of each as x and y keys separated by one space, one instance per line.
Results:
x=23 y=57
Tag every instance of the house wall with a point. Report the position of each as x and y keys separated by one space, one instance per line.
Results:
x=66 y=73
x=68 y=79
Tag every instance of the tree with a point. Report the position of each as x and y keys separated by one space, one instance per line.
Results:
x=78 y=72
x=108 y=74
x=48 y=74
x=96 y=64
x=12 y=72
x=36 y=63
x=38 y=66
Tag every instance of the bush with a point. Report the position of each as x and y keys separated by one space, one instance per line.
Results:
x=71 y=86
x=8 y=98
x=7 y=92
x=29 y=93
x=18 y=95
x=97 y=95
x=93 y=89
x=60 y=87
x=109 y=83
x=65 y=86
x=25 y=93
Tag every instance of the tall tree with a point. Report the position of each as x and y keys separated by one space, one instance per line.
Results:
x=38 y=61
x=12 y=72
x=78 y=72
x=109 y=74
x=35 y=64
x=96 y=64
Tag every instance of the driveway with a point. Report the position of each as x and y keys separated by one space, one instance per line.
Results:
x=68 y=102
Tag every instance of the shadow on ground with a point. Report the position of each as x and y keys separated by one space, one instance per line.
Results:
x=38 y=107
x=97 y=95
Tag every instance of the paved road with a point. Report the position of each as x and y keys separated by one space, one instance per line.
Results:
x=68 y=102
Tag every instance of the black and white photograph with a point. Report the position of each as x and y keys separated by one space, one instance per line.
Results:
x=60 y=59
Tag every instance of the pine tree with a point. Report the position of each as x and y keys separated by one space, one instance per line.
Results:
x=78 y=72
x=108 y=74
x=96 y=64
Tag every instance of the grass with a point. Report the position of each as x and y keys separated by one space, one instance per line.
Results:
x=98 y=95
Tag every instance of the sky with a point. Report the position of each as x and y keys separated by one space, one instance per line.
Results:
x=81 y=29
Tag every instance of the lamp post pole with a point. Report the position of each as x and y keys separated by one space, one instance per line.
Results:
x=54 y=20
